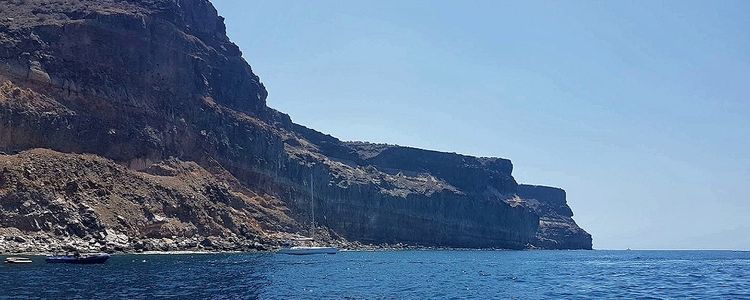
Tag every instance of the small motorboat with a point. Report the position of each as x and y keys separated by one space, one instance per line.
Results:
x=18 y=260
x=308 y=250
x=79 y=259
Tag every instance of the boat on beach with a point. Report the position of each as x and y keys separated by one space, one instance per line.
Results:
x=18 y=260
x=99 y=258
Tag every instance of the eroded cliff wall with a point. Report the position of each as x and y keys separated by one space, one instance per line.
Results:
x=142 y=82
x=557 y=229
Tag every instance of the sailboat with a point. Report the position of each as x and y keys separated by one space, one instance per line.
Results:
x=306 y=250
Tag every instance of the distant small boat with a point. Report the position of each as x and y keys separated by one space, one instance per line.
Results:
x=79 y=259
x=18 y=260
x=308 y=250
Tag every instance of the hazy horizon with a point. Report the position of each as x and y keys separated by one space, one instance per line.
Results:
x=637 y=109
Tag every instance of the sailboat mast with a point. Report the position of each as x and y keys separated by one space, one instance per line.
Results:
x=312 y=206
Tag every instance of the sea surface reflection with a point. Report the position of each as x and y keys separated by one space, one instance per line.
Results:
x=391 y=274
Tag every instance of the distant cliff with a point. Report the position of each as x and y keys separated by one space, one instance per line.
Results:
x=154 y=91
x=557 y=229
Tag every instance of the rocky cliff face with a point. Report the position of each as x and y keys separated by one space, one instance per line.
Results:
x=53 y=201
x=152 y=83
x=557 y=229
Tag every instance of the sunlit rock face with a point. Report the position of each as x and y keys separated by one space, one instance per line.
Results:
x=557 y=229
x=146 y=83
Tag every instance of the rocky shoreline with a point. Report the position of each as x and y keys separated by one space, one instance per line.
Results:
x=119 y=244
x=42 y=245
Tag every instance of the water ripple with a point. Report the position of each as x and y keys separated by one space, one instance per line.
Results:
x=389 y=275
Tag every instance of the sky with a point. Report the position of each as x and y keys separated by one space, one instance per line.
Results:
x=640 y=110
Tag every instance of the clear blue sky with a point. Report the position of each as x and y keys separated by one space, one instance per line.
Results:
x=640 y=110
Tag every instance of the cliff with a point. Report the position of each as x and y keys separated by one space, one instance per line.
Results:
x=53 y=201
x=144 y=85
x=557 y=229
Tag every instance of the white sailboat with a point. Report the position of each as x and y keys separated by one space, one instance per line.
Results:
x=306 y=250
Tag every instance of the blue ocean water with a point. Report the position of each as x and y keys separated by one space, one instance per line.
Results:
x=392 y=275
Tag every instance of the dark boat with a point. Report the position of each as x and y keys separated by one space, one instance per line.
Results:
x=79 y=259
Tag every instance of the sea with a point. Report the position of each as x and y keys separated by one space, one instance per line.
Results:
x=596 y=274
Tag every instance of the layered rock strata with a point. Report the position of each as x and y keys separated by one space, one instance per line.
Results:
x=148 y=86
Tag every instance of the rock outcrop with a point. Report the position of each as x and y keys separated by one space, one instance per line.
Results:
x=54 y=201
x=154 y=91
x=557 y=229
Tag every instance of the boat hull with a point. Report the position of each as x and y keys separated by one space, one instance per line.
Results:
x=308 y=250
x=17 y=260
